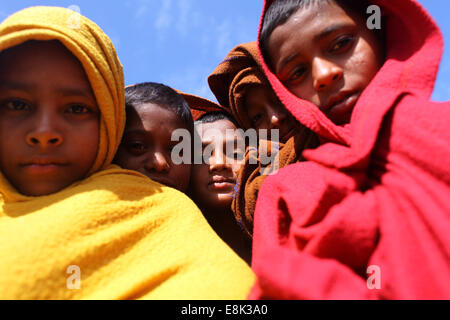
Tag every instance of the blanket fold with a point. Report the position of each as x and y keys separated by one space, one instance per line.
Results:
x=199 y=106
x=366 y=216
x=115 y=234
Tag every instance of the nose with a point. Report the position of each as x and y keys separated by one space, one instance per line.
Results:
x=45 y=134
x=277 y=116
x=157 y=162
x=218 y=161
x=325 y=74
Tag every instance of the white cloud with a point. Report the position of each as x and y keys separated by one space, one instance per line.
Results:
x=184 y=7
x=142 y=7
x=224 y=42
x=188 y=20
x=164 y=18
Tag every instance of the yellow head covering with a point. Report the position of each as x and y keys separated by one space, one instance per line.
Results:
x=115 y=234
x=98 y=57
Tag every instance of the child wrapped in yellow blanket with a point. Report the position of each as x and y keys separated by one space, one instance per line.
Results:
x=73 y=226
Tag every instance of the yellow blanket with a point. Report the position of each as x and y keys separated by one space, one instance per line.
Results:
x=115 y=234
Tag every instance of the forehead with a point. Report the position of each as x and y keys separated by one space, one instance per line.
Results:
x=216 y=130
x=152 y=117
x=42 y=58
x=260 y=93
x=308 y=23
x=43 y=66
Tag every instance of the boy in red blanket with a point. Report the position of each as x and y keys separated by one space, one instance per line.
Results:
x=367 y=216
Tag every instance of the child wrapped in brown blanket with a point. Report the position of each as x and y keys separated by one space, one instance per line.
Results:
x=240 y=85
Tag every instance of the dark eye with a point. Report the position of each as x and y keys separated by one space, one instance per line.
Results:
x=16 y=105
x=297 y=74
x=256 y=119
x=342 y=45
x=135 y=147
x=78 y=109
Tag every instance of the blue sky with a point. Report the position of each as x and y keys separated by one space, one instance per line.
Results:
x=180 y=42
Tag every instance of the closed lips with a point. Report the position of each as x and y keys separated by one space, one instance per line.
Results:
x=341 y=97
x=44 y=162
x=220 y=179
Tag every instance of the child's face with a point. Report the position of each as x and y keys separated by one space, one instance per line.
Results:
x=213 y=184
x=326 y=56
x=147 y=145
x=49 y=118
x=266 y=112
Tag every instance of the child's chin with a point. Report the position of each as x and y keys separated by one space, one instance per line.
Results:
x=41 y=190
x=224 y=200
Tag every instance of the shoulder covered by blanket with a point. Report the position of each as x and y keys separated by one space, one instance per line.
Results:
x=115 y=234
x=370 y=204
x=131 y=238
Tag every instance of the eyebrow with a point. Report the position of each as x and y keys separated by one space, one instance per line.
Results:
x=288 y=59
x=70 y=92
x=331 y=29
x=135 y=132
x=65 y=91
x=318 y=37
x=16 y=86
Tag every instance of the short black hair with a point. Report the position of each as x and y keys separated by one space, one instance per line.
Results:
x=281 y=10
x=163 y=96
x=214 y=116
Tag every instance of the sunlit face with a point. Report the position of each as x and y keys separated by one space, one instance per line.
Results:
x=147 y=145
x=213 y=184
x=266 y=112
x=49 y=118
x=326 y=56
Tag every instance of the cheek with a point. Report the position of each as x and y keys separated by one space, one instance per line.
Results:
x=305 y=90
x=86 y=138
x=182 y=175
x=12 y=140
x=236 y=167
x=363 y=65
x=126 y=160
x=199 y=174
x=7 y=136
x=199 y=181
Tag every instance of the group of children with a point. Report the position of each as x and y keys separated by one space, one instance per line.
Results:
x=89 y=178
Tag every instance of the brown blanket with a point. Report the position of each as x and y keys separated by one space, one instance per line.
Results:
x=241 y=70
x=199 y=106
x=252 y=176
x=232 y=78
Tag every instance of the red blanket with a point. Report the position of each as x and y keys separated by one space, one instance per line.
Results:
x=368 y=215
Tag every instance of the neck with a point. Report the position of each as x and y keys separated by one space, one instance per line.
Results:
x=226 y=226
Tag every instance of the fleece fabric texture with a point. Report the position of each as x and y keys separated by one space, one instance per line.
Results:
x=115 y=234
x=367 y=216
x=237 y=73
x=253 y=173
